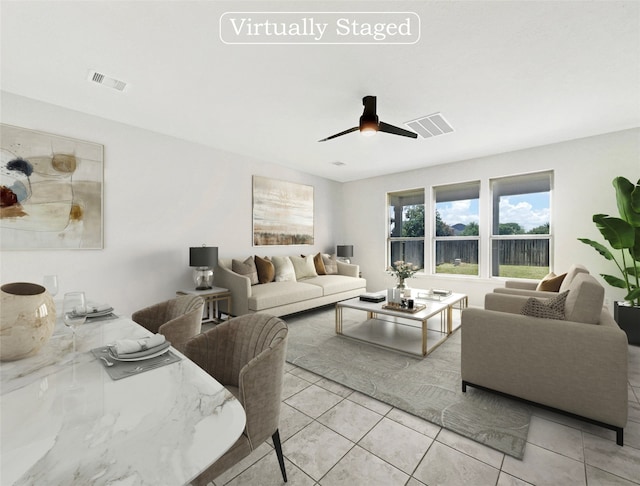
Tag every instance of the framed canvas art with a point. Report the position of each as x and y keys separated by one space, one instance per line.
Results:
x=52 y=191
x=282 y=212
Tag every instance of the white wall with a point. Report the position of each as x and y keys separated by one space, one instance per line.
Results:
x=161 y=196
x=583 y=171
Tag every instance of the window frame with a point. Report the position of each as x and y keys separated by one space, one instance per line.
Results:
x=456 y=192
x=409 y=193
x=531 y=183
x=488 y=215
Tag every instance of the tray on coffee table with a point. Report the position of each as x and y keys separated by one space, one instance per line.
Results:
x=416 y=308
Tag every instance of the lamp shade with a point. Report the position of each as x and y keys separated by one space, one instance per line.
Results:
x=203 y=256
x=345 y=251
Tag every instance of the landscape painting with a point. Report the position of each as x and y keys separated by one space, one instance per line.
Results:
x=51 y=191
x=282 y=212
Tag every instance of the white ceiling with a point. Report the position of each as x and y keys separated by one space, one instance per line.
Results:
x=505 y=74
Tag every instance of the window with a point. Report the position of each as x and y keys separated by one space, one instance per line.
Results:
x=457 y=231
x=521 y=236
x=406 y=227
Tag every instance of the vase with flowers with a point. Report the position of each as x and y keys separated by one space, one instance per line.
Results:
x=402 y=270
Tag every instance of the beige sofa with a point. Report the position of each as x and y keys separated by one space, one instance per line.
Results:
x=577 y=365
x=288 y=297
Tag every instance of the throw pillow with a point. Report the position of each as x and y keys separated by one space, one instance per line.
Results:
x=330 y=264
x=246 y=268
x=317 y=261
x=551 y=283
x=303 y=267
x=266 y=270
x=547 y=309
x=284 y=269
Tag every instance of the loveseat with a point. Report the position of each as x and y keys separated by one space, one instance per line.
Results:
x=312 y=284
x=575 y=362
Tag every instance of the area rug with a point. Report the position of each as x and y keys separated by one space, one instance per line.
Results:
x=429 y=388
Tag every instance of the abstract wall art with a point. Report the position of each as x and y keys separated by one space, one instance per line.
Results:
x=282 y=212
x=51 y=191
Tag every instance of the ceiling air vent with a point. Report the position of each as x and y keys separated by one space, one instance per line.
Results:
x=430 y=126
x=107 y=81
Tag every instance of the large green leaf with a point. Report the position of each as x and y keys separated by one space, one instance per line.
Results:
x=635 y=250
x=635 y=197
x=627 y=196
x=633 y=271
x=619 y=233
x=603 y=250
x=633 y=295
x=614 y=281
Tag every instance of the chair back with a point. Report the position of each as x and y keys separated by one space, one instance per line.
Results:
x=183 y=304
x=177 y=319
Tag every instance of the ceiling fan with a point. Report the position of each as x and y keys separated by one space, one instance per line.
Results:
x=370 y=124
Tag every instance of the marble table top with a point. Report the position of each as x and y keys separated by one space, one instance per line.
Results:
x=64 y=421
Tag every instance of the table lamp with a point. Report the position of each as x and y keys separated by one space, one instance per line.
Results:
x=345 y=252
x=204 y=259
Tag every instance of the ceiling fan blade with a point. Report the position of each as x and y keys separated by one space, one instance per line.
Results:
x=340 y=134
x=385 y=127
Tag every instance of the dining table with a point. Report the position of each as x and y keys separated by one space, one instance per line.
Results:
x=65 y=421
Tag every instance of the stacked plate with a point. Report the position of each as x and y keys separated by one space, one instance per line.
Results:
x=98 y=310
x=139 y=355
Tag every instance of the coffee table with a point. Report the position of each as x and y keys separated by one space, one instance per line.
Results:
x=399 y=329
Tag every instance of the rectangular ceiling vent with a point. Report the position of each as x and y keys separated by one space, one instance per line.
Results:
x=107 y=81
x=430 y=126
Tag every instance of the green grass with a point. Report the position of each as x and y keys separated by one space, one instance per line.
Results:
x=506 y=271
x=521 y=271
x=462 y=269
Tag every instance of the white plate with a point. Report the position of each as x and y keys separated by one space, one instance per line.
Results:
x=141 y=358
x=100 y=313
x=97 y=313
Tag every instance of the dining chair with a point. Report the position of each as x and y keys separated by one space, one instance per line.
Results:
x=246 y=354
x=177 y=319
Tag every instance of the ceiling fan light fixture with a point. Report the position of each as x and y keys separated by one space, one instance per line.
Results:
x=369 y=130
x=369 y=125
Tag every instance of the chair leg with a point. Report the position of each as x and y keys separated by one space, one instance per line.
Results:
x=278 y=446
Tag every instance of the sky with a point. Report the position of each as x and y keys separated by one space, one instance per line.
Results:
x=528 y=210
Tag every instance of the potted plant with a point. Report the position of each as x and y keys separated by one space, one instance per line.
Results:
x=402 y=270
x=623 y=235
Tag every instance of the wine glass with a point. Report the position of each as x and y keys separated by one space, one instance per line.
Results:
x=50 y=283
x=74 y=312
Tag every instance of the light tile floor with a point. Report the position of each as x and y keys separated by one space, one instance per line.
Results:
x=332 y=435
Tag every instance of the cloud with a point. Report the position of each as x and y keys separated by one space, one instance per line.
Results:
x=512 y=210
x=455 y=212
x=523 y=213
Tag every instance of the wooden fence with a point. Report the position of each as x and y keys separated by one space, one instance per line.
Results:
x=531 y=253
x=450 y=251
x=534 y=253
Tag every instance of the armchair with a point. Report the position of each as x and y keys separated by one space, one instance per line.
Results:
x=532 y=289
x=247 y=355
x=577 y=366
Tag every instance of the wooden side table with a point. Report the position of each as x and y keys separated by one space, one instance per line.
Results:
x=212 y=298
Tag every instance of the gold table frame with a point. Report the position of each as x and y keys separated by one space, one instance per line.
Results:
x=444 y=307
